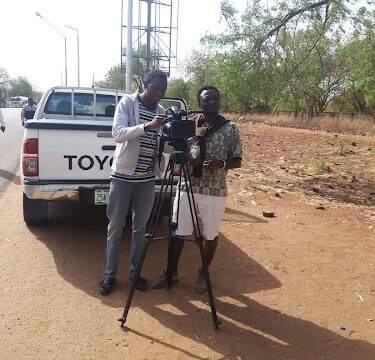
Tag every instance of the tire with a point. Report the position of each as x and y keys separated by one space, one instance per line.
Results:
x=34 y=211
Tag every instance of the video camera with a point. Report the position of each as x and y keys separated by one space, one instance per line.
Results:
x=177 y=127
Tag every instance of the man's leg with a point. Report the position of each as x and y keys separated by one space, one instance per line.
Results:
x=211 y=210
x=142 y=202
x=185 y=227
x=177 y=246
x=209 y=252
x=117 y=209
x=210 y=249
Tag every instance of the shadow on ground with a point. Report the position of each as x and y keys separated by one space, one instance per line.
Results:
x=250 y=330
x=9 y=176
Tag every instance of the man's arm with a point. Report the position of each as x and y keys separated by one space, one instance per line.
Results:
x=233 y=163
x=2 y=122
x=121 y=130
x=222 y=164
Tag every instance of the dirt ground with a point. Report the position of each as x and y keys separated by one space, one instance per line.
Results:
x=299 y=285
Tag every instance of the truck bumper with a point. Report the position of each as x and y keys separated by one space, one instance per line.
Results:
x=84 y=192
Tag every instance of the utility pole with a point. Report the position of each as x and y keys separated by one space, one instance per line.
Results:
x=62 y=34
x=129 y=48
x=77 y=31
x=148 y=31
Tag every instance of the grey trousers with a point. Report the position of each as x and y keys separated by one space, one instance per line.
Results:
x=120 y=194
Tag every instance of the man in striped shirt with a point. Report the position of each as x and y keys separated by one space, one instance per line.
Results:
x=134 y=168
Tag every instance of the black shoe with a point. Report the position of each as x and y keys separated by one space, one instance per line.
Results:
x=106 y=285
x=140 y=283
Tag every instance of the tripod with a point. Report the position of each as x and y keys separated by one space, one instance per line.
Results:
x=178 y=157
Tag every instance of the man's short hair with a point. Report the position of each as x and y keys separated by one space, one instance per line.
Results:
x=156 y=74
x=203 y=88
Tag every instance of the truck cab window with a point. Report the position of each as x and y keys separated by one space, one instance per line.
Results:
x=84 y=104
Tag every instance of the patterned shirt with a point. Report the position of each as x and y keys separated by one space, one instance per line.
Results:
x=147 y=152
x=224 y=144
x=28 y=111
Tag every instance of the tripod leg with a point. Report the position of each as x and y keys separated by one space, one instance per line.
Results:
x=149 y=236
x=162 y=195
x=206 y=275
x=199 y=241
x=174 y=244
x=169 y=261
x=148 y=239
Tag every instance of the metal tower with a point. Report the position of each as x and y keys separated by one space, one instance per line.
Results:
x=152 y=29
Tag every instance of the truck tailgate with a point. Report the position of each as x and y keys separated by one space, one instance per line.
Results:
x=72 y=154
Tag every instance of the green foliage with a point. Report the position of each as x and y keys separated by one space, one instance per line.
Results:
x=343 y=141
x=37 y=95
x=114 y=79
x=178 y=88
x=321 y=166
x=4 y=79
x=294 y=55
x=20 y=87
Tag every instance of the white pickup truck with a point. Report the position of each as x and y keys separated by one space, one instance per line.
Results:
x=68 y=147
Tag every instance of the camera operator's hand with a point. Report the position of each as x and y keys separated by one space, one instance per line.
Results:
x=213 y=164
x=3 y=128
x=195 y=161
x=155 y=122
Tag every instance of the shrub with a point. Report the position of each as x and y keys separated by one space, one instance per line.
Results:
x=343 y=141
x=321 y=166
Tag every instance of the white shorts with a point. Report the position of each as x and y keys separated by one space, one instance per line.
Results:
x=210 y=209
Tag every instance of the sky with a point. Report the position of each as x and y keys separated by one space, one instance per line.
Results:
x=31 y=47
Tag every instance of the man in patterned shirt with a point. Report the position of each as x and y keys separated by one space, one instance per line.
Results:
x=134 y=168
x=28 y=111
x=215 y=149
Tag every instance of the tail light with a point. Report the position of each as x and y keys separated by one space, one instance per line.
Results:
x=30 y=164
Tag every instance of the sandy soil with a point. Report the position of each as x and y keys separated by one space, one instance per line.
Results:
x=299 y=285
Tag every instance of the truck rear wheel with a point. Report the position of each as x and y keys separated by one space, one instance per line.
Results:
x=34 y=211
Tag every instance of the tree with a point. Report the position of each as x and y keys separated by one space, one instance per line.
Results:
x=114 y=79
x=4 y=77
x=287 y=55
x=4 y=80
x=361 y=52
x=20 y=87
x=178 y=88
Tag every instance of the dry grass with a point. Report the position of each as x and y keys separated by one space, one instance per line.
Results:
x=331 y=124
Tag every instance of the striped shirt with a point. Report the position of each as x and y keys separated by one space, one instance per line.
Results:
x=147 y=152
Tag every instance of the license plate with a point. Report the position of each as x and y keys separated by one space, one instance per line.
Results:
x=101 y=197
